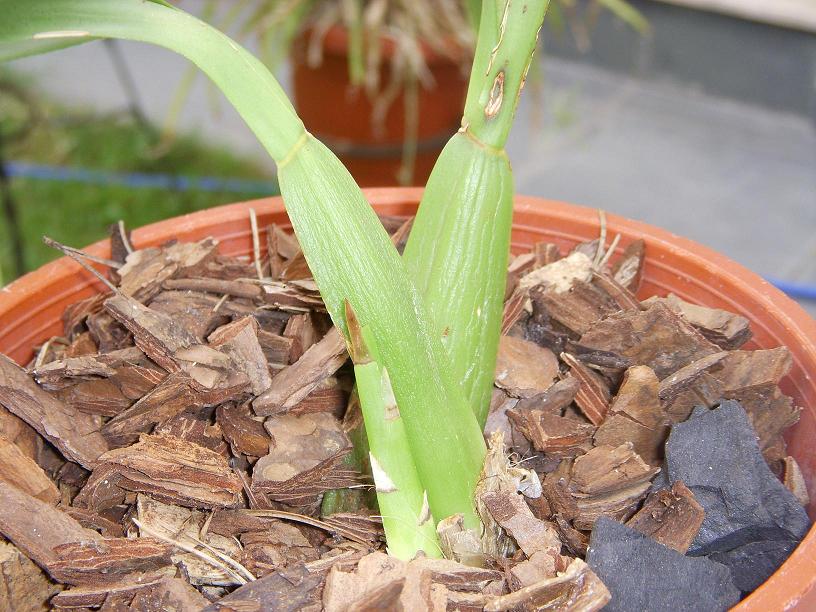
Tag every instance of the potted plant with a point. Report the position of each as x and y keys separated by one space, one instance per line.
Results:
x=422 y=328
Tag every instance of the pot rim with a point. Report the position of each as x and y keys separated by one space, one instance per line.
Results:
x=792 y=582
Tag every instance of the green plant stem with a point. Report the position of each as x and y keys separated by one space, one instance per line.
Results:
x=344 y=242
x=406 y=515
x=458 y=248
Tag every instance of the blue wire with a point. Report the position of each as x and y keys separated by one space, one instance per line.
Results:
x=139 y=180
x=796 y=291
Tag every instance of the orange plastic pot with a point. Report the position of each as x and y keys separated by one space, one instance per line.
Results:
x=340 y=115
x=31 y=308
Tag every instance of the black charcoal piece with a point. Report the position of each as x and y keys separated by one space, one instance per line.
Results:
x=752 y=564
x=716 y=455
x=642 y=574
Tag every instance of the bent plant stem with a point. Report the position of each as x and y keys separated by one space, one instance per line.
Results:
x=458 y=248
x=345 y=244
x=403 y=501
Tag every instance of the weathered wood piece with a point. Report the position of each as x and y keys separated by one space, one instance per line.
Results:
x=305 y=459
x=593 y=394
x=24 y=473
x=636 y=415
x=795 y=481
x=577 y=309
x=170 y=469
x=187 y=529
x=95 y=596
x=294 y=383
x=577 y=588
x=554 y=435
x=169 y=398
x=727 y=330
x=239 y=340
x=378 y=577
x=289 y=590
x=36 y=527
x=146 y=269
x=670 y=516
x=605 y=469
x=244 y=434
x=628 y=269
x=75 y=434
x=154 y=332
x=523 y=368
x=513 y=515
x=24 y=587
x=655 y=337
x=682 y=379
x=560 y=275
x=108 y=560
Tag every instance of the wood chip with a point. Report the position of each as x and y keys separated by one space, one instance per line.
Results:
x=578 y=588
x=76 y=435
x=96 y=596
x=577 y=309
x=744 y=371
x=170 y=469
x=294 y=383
x=23 y=472
x=305 y=459
x=376 y=574
x=36 y=527
x=154 y=332
x=239 y=340
x=655 y=337
x=23 y=585
x=683 y=378
x=554 y=435
x=146 y=269
x=593 y=395
x=244 y=434
x=560 y=275
x=725 y=329
x=628 y=269
x=795 y=481
x=636 y=416
x=289 y=590
x=108 y=560
x=171 y=523
x=532 y=535
x=607 y=468
x=195 y=312
x=524 y=369
x=670 y=516
x=172 y=396
x=560 y=395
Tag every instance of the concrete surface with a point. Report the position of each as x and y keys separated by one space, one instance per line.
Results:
x=739 y=178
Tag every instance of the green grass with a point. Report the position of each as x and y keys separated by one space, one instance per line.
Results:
x=78 y=214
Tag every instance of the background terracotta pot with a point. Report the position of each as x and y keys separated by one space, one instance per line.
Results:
x=340 y=115
x=31 y=307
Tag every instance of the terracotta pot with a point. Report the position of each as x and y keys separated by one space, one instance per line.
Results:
x=340 y=114
x=31 y=307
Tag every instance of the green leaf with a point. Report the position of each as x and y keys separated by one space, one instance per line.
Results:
x=348 y=250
